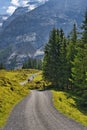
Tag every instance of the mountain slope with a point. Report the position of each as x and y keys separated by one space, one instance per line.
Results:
x=32 y=28
x=22 y=10
x=2 y=19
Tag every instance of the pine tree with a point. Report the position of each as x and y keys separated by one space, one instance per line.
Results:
x=79 y=70
x=62 y=62
x=1 y=66
x=74 y=34
x=51 y=58
x=32 y=64
x=54 y=63
x=71 y=52
x=84 y=28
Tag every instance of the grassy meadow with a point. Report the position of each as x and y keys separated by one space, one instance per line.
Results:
x=11 y=92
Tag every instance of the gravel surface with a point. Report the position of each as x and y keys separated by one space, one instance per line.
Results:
x=36 y=112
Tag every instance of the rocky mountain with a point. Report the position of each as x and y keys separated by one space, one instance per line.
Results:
x=2 y=19
x=27 y=33
x=22 y=10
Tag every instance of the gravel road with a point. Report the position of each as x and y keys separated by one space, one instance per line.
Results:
x=36 y=112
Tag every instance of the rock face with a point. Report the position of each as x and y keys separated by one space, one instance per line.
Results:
x=26 y=33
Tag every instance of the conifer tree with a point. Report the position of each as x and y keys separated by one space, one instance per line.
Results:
x=62 y=62
x=79 y=70
x=71 y=52
x=74 y=34
x=32 y=64
x=54 y=63
x=2 y=66
x=84 y=28
x=51 y=60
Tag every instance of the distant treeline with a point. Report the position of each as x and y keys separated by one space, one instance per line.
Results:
x=32 y=64
x=2 y=66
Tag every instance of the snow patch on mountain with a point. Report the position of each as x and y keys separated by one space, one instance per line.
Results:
x=39 y=52
x=26 y=37
x=4 y=17
x=1 y=24
x=12 y=56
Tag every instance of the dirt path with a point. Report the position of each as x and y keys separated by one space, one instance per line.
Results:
x=29 y=79
x=36 y=112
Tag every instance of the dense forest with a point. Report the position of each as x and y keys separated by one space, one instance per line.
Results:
x=65 y=60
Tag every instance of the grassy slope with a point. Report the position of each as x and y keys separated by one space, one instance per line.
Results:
x=66 y=103
x=11 y=92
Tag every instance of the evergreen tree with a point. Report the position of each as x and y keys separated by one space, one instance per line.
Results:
x=74 y=34
x=63 y=64
x=71 y=52
x=54 y=63
x=1 y=66
x=79 y=70
x=51 y=58
x=32 y=64
x=84 y=28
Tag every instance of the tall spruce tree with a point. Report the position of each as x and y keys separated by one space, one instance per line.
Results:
x=1 y=66
x=84 y=28
x=54 y=63
x=63 y=64
x=51 y=57
x=79 y=70
x=71 y=52
x=32 y=64
x=74 y=34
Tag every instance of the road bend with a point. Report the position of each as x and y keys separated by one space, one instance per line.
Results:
x=36 y=112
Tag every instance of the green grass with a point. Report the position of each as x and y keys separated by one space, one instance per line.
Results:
x=38 y=77
x=66 y=103
x=11 y=92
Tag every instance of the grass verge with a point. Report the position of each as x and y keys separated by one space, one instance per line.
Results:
x=66 y=104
